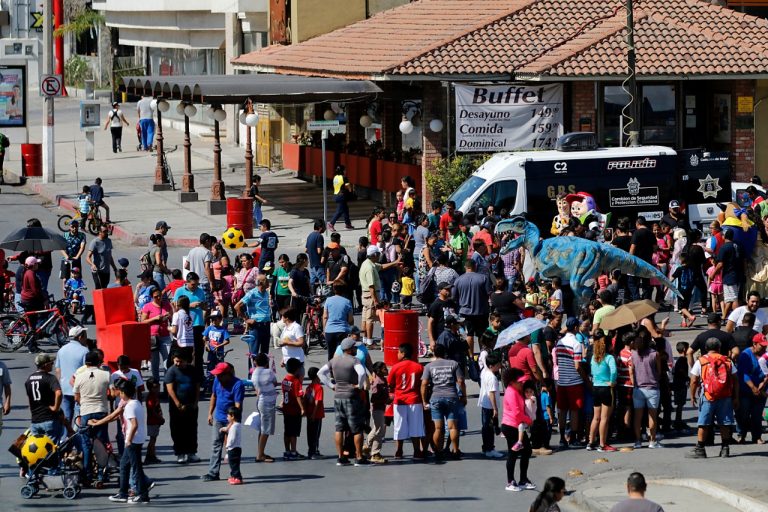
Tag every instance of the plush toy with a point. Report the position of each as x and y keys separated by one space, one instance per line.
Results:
x=563 y=217
x=584 y=208
x=735 y=218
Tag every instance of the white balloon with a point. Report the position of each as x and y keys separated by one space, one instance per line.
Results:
x=436 y=125
x=366 y=121
x=406 y=127
x=190 y=110
x=252 y=119
x=328 y=115
x=220 y=115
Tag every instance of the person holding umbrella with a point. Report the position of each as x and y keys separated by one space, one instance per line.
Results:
x=32 y=295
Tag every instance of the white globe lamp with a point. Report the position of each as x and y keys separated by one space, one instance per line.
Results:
x=406 y=127
x=190 y=110
x=328 y=115
x=252 y=119
x=436 y=125
x=366 y=121
x=220 y=115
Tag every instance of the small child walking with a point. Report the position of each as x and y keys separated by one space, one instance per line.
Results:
x=315 y=412
x=680 y=382
x=155 y=420
x=685 y=283
x=293 y=408
x=488 y=403
x=379 y=400
x=407 y=286
x=549 y=416
x=233 y=446
x=530 y=410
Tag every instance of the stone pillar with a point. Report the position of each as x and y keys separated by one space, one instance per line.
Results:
x=217 y=205
x=742 y=131
x=187 y=193
x=232 y=42
x=583 y=115
x=432 y=107
x=161 y=180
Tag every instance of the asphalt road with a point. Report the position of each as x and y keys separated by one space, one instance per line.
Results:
x=318 y=485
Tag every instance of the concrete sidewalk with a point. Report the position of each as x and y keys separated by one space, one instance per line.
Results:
x=135 y=208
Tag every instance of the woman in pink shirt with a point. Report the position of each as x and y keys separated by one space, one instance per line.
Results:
x=514 y=415
x=157 y=313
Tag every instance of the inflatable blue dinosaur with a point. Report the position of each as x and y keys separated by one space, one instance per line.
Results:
x=575 y=260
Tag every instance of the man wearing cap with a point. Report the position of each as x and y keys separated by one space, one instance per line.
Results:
x=69 y=358
x=673 y=218
x=72 y=252
x=228 y=391
x=713 y=331
x=752 y=383
x=44 y=394
x=100 y=258
x=442 y=306
x=371 y=285
x=570 y=381
x=348 y=405
x=200 y=261
x=455 y=345
x=115 y=121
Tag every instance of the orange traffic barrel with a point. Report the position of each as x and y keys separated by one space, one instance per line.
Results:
x=240 y=215
x=400 y=326
x=32 y=159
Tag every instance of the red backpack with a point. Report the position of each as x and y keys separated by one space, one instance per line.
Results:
x=716 y=376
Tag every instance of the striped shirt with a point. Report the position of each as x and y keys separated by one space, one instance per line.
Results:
x=623 y=364
x=568 y=352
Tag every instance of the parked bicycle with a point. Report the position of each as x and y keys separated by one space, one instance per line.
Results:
x=312 y=324
x=167 y=167
x=33 y=327
x=92 y=223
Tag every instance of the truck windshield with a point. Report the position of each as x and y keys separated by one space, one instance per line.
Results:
x=466 y=190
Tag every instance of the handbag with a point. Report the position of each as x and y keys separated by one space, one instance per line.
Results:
x=238 y=294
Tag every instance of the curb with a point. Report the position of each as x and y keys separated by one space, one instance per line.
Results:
x=117 y=231
x=578 y=501
x=717 y=491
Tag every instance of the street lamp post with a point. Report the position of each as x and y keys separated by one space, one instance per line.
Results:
x=249 y=119
x=187 y=193
x=161 y=180
x=217 y=204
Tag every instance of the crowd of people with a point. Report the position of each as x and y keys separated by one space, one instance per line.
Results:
x=590 y=386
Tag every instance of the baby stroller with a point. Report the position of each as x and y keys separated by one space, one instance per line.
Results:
x=59 y=469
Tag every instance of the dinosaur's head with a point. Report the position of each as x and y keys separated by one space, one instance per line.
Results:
x=523 y=232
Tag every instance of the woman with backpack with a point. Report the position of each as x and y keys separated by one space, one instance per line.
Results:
x=115 y=121
x=157 y=260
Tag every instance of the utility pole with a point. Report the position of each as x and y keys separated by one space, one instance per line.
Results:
x=49 y=161
x=633 y=123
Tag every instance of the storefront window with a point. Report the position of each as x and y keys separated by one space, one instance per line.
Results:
x=614 y=100
x=659 y=125
x=173 y=62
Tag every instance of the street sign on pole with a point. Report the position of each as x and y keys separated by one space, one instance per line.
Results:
x=325 y=127
x=50 y=86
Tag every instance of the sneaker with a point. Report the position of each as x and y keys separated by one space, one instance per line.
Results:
x=655 y=444
x=182 y=459
x=152 y=460
x=288 y=456
x=512 y=486
x=725 y=452
x=517 y=446
x=349 y=226
x=210 y=478
x=637 y=445
x=528 y=486
x=133 y=500
x=362 y=462
x=698 y=452
x=591 y=447
x=493 y=454
x=235 y=481
x=378 y=459
x=606 y=448
x=563 y=444
x=342 y=461
x=298 y=456
x=577 y=444
x=119 y=498
x=151 y=485
x=193 y=458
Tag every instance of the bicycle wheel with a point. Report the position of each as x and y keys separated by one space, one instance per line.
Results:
x=60 y=334
x=93 y=226
x=14 y=331
x=64 y=222
x=307 y=337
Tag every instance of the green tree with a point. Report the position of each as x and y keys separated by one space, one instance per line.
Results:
x=448 y=174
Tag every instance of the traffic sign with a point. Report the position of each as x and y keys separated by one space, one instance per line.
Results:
x=50 y=85
x=322 y=125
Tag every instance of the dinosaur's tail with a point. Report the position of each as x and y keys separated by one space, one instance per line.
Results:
x=632 y=265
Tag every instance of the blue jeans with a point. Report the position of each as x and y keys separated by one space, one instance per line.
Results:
x=147 y=132
x=160 y=278
x=130 y=466
x=160 y=355
x=257 y=215
x=443 y=408
x=316 y=276
x=52 y=428
x=342 y=209
x=217 y=442
x=68 y=407
x=102 y=434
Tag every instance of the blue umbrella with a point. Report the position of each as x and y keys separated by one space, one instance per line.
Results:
x=519 y=330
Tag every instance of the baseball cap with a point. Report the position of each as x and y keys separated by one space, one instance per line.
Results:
x=372 y=250
x=759 y=338
x=43 y=359
x=76 y=331
x=123 y=262
x=216 y=313
x=674 y=203
x=115 y=103
x=444 y=285
x=31 y=260
x=449 y=319
x=220 y=368
x=714 y=318
x=162 y=224
x=571 y=323
x=348 y=343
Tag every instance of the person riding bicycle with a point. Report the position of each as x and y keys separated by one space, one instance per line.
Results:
x=97 y=197
x=84 y=202
x=74 y=290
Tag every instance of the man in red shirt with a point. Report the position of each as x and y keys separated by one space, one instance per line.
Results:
x=447 y=217
x=405 y=382
x=375 y=227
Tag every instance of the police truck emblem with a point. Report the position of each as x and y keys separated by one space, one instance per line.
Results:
x=634 y=186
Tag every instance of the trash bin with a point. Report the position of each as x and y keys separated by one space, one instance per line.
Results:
x=31 y=160
x=400 y=326
x=240 y=215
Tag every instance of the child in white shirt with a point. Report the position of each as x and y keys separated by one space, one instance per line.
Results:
x=488 y=402
x=234 y=448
